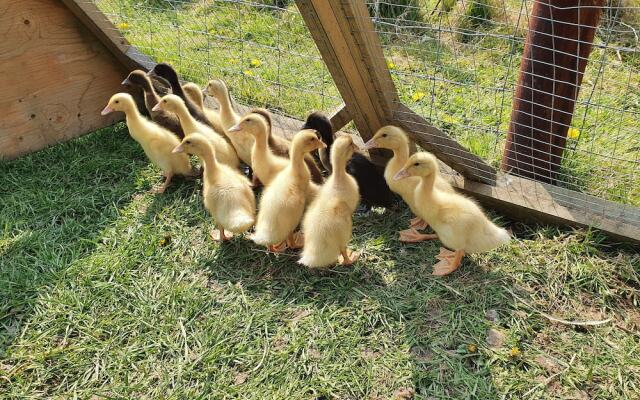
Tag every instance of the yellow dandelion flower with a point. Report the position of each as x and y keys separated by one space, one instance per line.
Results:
x=248 y=72
x=573 y=133
x=234 y=61
x=255 y=63
x=472 y=348
x=123 y=26
x=514 y=352
x=417 y=96
x=390 y=64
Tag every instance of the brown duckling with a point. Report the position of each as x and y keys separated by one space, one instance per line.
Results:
x=166 y=119
x=166 y=72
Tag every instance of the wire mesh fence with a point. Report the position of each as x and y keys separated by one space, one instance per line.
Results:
x=261 y=49
x=454 y=62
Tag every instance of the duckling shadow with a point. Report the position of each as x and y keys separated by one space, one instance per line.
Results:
x=445 y=318
x=441 y=316
x=57 y=203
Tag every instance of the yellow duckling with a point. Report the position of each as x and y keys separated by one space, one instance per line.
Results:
x=156 y=141
x=283 y=201
x=224 y=151
x=265 y=164
x=395 y=139
x=242 y=141
x=327 y=224
x=457 y=220
x=226 y=192
x=194 y=92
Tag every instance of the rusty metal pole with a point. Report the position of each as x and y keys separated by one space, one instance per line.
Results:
x=555 y=56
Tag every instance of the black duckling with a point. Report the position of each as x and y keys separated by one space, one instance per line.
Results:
x=374 y=190
x=166 y=72
x=168 y=120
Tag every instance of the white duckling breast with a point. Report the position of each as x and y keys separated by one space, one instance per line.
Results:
x=281 y=210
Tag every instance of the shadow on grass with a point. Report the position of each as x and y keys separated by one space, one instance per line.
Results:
x=55 y=204
x=441 y=317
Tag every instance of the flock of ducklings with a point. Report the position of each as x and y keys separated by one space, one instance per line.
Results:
x=295 y=192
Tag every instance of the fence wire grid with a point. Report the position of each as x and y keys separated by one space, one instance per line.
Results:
x=454 y=62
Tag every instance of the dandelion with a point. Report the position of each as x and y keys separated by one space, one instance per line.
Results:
x=248 y=72
x=255 y=63
x=514 y=352
x=123 y=26
x=472 y=348
x=573 y=133
x=417 y=96
x=234 y=61
x=390 y=64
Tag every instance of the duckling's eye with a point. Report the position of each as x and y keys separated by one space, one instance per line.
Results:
x=188 y=142
x=416 y=164
x=384 y=135
x=117 y=101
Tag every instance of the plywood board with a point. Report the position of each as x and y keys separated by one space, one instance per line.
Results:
x=56 y=76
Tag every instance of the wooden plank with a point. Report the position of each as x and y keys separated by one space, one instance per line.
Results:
x=445 y=148
x=367 y=38
x=340 y=118
x=526 y=200
x=98 y=23
x=55 y=74
x=339 y=22
x=331 y=60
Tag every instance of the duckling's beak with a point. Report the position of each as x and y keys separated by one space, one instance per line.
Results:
x=178 y=149
x=234 y=128
x=322 y=145
x=126 y=82
x=107 y=110
x=156 y=107
x=371 y=144
x=401 y=175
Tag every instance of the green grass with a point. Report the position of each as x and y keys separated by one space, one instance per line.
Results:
x=108 y=291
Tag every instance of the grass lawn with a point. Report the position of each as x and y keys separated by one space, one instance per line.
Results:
x=109 y=291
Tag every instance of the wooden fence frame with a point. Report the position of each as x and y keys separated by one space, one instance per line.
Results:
x=349 y=46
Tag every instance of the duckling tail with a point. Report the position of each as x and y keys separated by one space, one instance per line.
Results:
x=240 y=222
x=317 y=259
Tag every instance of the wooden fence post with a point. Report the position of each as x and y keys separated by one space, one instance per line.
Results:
x=555 y=56
x=351 y=49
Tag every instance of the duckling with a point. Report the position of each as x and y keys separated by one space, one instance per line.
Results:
x=264 y=162
x=327 y=224
x=395 y=139
x=226 y=192
x=241 y=141
x=374 y=191
x=166 y=72
x=156 y=141
x=194 y=92
x=224 y=151
x=217 y=89
x=283 y=201
x=458 y=221
x=168 y=120
x=277 y=144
